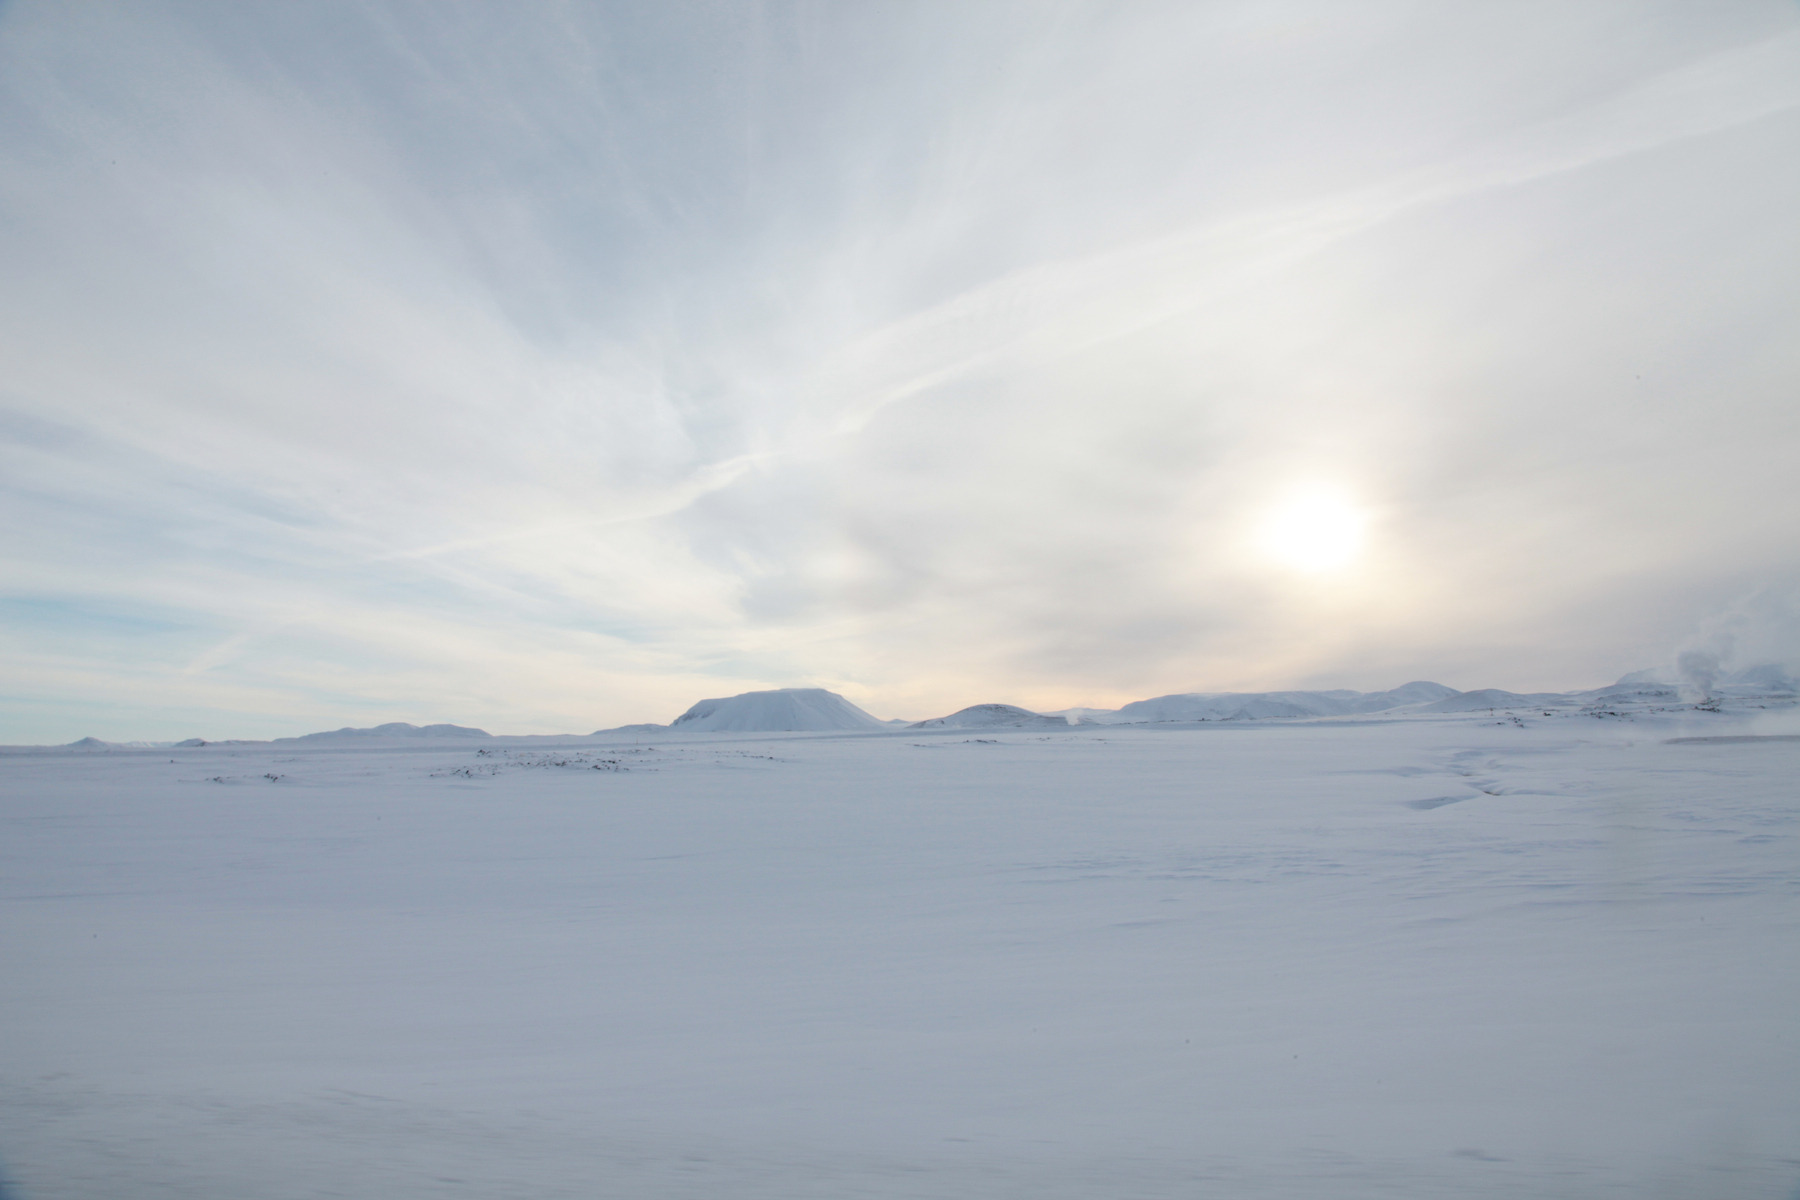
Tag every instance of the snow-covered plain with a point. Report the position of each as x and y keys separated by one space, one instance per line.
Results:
x=1427 y=955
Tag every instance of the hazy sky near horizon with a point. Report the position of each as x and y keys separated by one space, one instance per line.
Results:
x=551 y=366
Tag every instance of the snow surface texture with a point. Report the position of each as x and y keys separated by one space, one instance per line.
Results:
x=1483 y=955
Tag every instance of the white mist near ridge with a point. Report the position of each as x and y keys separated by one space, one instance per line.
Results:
x=1752 y=643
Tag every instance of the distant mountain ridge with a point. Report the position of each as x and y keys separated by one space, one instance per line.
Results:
x=819 y=710
x=1420 y=696
x=1241 y=706
x=987 y=716
x=393 y=729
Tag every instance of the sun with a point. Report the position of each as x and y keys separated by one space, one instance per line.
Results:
x=1314 y=530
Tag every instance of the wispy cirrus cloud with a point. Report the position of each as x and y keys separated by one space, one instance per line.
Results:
x=434 y=363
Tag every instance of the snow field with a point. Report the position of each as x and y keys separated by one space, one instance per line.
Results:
x=1428 y=958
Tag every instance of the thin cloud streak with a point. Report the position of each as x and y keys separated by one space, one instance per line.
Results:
x=1063 y=308
x=705 y=481
x=538 y=372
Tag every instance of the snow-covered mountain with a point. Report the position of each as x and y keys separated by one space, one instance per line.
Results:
x=1758 y=679
x=1485 y=698
x=979 y=716
x=1652 y=688
x=1243 y=706
x=782 y=709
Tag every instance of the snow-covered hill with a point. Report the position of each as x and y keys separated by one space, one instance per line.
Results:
x=982 y=716
x=1245 y=706
x=1494 y=698
x=783 y=709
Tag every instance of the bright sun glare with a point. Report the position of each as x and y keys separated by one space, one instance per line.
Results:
x=1314 y=530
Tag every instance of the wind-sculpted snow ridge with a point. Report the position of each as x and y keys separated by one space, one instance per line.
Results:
x=806 y=709
x=980 y=716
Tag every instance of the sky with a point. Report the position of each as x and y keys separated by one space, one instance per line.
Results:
x=549 y=367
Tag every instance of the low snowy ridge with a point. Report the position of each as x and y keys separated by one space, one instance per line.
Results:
x=1639 y=688
x=1485 y=698
x=1241 y=706
x=981 y=716
x=94 y=743
x=393 y=729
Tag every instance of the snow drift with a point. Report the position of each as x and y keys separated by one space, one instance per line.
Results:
x=783 y=709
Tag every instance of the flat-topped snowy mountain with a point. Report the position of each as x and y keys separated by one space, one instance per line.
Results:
x=782 y=709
